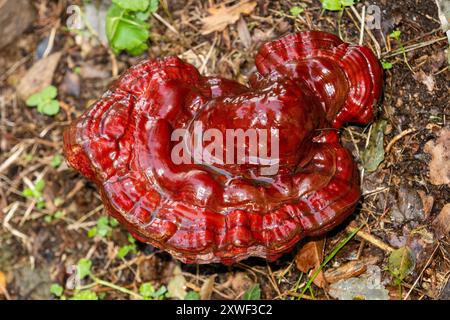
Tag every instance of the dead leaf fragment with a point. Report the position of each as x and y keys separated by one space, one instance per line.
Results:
x=427 y=202
x=177 y=285
x=440 y=161
x=309 y=257
x=244 y=33
x=441 y=224
x=222 y=16
x=39 y=76
x=426 y=79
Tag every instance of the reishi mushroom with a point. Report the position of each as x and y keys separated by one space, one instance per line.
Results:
x=307 y=84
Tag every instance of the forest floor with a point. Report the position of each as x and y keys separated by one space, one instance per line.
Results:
x=402 y=250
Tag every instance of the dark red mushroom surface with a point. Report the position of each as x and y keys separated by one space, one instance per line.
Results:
x=307 y=85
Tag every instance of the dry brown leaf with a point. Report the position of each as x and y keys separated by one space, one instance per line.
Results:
x=207 y=288
x=442 y=222
x=309 y=257
x=243 y=32
x=222 y=16
x=440 y=162
x=39 y=76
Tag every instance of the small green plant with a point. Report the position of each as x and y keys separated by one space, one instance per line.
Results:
x=103 y=228
x=55 y=216
x=253 y=293
x=192 y=295
x=45 y=101
x=395 y=35
x=84 y=267
x=84 y=295
x=386 y=65
x=56 y=161
x=127 y=25
x=336 y=5
x=147 y=290
x=296 y=10
x=36 y=192
x=56 y=290
x=126 y=249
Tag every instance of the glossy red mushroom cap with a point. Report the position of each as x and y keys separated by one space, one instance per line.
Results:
x=308 y=84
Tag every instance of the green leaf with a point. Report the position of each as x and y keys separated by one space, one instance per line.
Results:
x=92 y=232
x=56 y=161
x=395 y=34
x=50 y=92
x=125 y=32
x=147 y=290
x=29 y=193
x=401 y=263
x=85 y=295
x=253 y=293
x=160 y=293
x=40 y=204
x=154 y=4
x=386 y=65
x=43 y=96
x=295 y=11
x=56 y=289
x=84 y=268
x=113 y=222
x=59 y=214
x=192 y=295
x=123 y=251
x=374 y=153
x=39 y=185
x=332 y=5
x=48 y=218
x=103 y=228
x=347 y=3
x=131 y=239
x=133 y=5
x=50 y=108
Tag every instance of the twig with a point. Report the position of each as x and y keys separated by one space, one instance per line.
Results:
x=398 y=137
x=164 y=22
x=369 y=238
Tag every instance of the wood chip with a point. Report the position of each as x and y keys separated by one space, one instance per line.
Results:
x=222 y=16
x=349 y=270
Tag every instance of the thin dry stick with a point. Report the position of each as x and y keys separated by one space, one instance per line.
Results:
x=377 y=45
x=371 y=239
x=164 y=22
x=363 y=22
